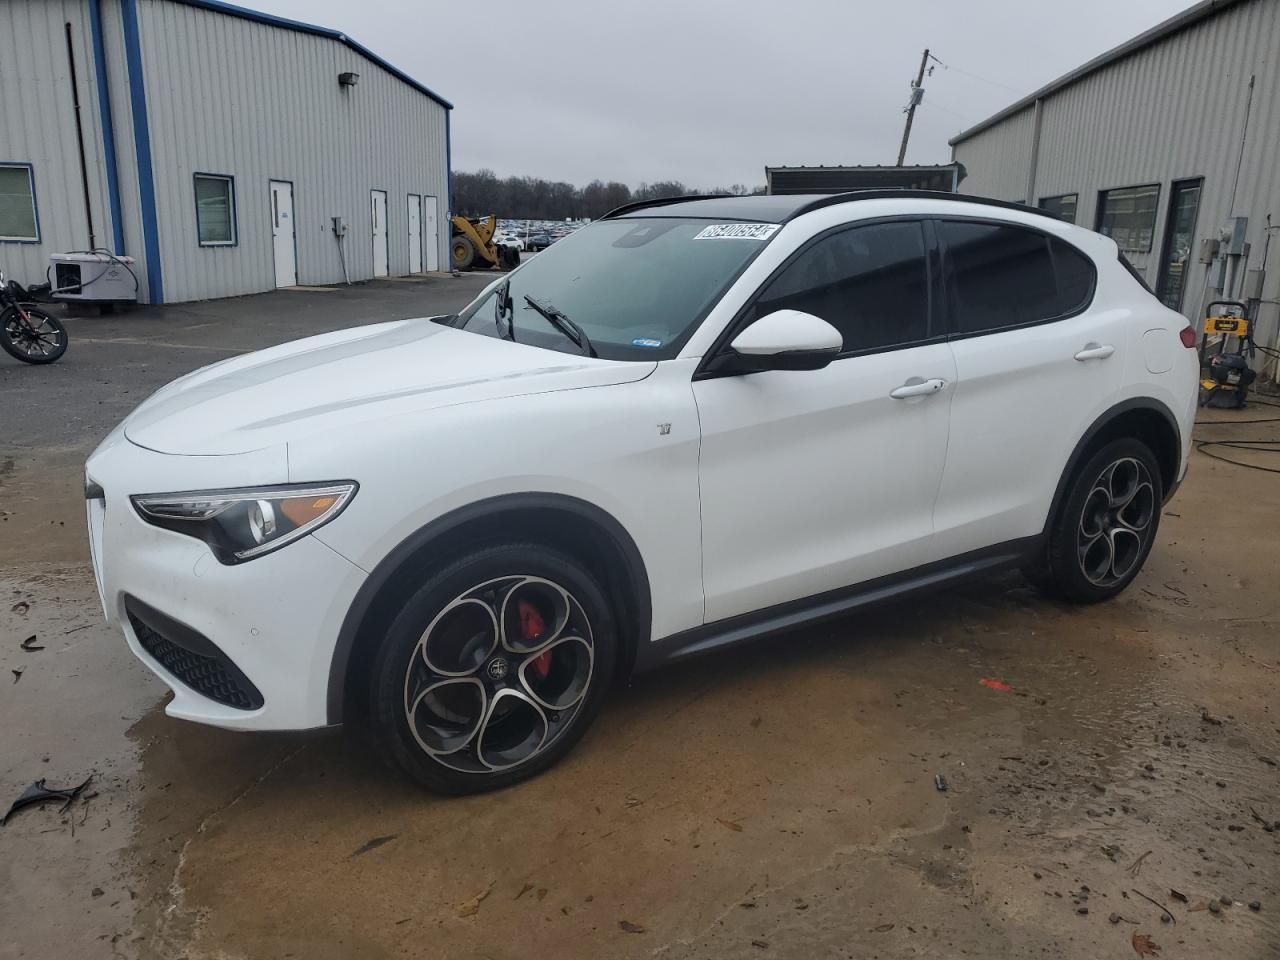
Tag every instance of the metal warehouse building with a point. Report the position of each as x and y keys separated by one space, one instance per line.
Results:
x=215 y=145
x=1162 y=143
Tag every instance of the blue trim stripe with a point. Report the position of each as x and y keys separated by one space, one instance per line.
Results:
x=258 y=16
x=108 y=128
x=142 y=145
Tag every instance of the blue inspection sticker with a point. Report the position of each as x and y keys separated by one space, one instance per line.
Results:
x=646 y=342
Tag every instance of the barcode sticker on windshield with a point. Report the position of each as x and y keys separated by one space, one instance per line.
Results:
x=737 y=231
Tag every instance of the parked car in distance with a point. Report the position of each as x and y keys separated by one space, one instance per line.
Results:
x=687 y=425
x=540 y=241
x=509 y=240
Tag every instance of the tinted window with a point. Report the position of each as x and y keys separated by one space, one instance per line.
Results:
x=1128 y=216
x=1006 y=276
x=1075 y=273
x=871 y=283
x=1063 y=207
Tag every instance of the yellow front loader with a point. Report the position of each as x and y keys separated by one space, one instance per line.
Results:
x=472 y=248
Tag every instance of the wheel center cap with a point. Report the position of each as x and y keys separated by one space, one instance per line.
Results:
x=496 y=669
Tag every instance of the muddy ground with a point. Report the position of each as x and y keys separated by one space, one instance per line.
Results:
x=776 y=800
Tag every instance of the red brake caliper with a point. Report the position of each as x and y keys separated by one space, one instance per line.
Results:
x=531 y=627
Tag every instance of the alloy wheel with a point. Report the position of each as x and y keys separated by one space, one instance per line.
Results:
x=1116 y=523
x=499 y=674
x=40 y=339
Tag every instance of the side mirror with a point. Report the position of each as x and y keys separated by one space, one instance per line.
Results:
x=784 y=340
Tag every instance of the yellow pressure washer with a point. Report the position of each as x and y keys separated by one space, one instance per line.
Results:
x=1225 y=373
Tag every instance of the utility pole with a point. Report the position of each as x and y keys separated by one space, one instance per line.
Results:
x=917 y=94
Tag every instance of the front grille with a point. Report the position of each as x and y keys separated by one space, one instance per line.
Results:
x=206 y=670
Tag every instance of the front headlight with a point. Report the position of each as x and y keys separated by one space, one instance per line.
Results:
x=241 y=524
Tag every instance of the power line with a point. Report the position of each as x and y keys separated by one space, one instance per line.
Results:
x=974 y=76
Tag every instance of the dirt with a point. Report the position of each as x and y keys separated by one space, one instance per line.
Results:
x=779 y=799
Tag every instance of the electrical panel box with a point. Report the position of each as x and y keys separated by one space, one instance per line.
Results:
x=93 y=277
x=1218 y=273
x=1208 y=249
x=1235 y=231
x=1253 y=281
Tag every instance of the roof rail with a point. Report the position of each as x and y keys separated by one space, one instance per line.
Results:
x=916 y=195
x=661 y=202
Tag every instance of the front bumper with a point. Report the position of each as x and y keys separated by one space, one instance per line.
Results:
x=268 y=626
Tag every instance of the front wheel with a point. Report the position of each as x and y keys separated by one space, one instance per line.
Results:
x=493 y=669
x=463 y=252
x=1107 y=525
x=38 y=339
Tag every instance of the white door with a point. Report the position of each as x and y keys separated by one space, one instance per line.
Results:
x=821 y=479
x=379 y=221
x=1027 y=385
x=283 y=234
x=431 y=232
x=415 y=233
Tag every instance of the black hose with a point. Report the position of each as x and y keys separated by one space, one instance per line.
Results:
x=1257 y=446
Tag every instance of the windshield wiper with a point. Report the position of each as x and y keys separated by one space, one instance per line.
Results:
x=504 y=307
x=557 y=318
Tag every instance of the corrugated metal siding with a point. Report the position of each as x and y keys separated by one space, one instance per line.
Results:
x=1172 y=111
x=231 y=96
x=996 y=161
x=37 y=126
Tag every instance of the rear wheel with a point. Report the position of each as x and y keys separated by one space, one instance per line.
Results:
x=493 y=669
x=39 y=339
x=464 y=253
x=1107 y=525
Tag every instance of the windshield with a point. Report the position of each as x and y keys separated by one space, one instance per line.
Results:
x=638 y=287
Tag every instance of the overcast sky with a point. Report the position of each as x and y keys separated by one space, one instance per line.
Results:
x=711 y=91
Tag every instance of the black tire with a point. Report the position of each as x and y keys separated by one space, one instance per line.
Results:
x=445 y=666
x=45 y=345
x=1106 y=526
x=463 y=252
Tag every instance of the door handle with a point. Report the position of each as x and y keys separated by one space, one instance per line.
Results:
x=917 y=387
x=1095 y=351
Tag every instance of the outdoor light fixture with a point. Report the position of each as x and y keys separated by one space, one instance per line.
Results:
x=348 y=79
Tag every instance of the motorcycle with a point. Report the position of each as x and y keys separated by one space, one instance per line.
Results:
x=27 y=332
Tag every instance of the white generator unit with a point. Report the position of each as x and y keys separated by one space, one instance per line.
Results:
x=93 y=278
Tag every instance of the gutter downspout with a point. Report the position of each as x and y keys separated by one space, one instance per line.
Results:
x=1035 y=152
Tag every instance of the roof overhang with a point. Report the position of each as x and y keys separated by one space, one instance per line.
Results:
x=781 y=180
x=1192 y=15
x=244 y=13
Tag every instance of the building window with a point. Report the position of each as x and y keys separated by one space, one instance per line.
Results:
x=215 y=210
x=1062 y=207
x=1128 y=216
x=18 y=219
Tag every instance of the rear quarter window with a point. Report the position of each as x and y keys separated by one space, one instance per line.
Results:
x=1003 y=275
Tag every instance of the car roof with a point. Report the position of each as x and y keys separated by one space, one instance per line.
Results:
x=783 y=207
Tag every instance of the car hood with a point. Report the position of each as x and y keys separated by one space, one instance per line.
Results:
x=321 y=383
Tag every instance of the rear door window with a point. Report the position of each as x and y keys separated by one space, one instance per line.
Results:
x=1002 y=275
x=870 y=282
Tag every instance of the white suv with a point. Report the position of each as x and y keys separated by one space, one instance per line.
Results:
x=691 y=423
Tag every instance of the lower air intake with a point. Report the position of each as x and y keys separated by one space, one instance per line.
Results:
x=191 y=658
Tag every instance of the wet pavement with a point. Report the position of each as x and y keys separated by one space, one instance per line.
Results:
x=779 y=799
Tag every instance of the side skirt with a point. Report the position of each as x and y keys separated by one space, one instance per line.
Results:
x=837 y=603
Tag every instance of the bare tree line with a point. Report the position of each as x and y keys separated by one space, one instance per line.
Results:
x=531 y=198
